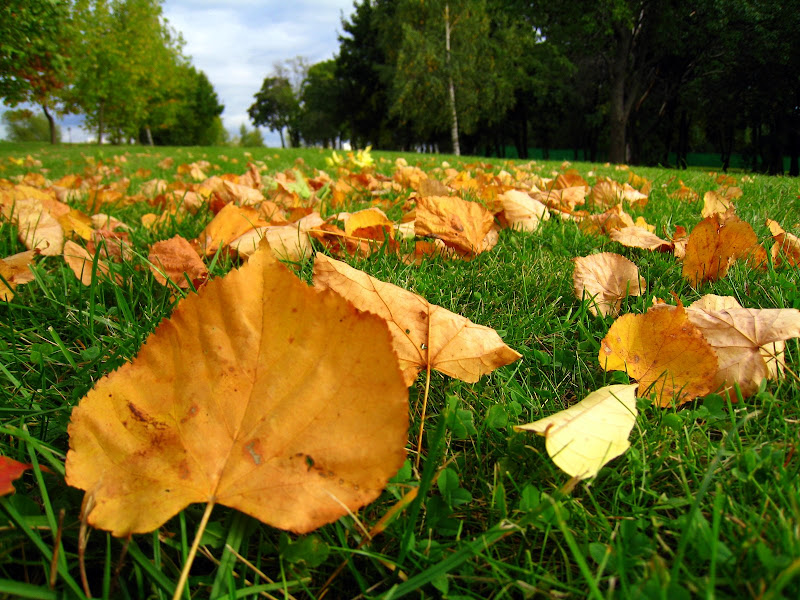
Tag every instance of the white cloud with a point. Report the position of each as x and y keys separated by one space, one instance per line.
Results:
x=236 y=42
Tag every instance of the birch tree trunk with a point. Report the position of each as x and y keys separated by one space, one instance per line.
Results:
x=452 y=89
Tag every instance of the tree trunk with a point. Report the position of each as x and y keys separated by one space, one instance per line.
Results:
x=618 y=119
x=100 y=124
x=683 y=142
x=149 y=135
x=51 y=122
x=280 y=133
x=794 y=152
x=451 y=87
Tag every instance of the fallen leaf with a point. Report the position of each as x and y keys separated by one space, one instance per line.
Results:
x=38 y=229
x=371 y=223
x=586 y=436
x=14 y=270
x=664 y=352
x=81 y=262
x=638 y=237
x=522 y=212
x=229 y=223
x=786 y=246
x=460 y=224
x=716 y=203
x=715 y=244
x=10 y=470
x=177 y=261
x=288 y=242
x=422 y=333
x=743 y=339
x=237 y=399
x=605 y=279
x=614 y=218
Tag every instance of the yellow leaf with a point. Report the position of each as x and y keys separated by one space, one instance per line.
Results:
x=237 y=399
x=662 y=350
x=605 y=279
x=589 y=434
x=422 y=333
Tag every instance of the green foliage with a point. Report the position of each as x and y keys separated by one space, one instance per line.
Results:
x=250 y=138
x=26 y=126
x=276 y=105
x=318 y=120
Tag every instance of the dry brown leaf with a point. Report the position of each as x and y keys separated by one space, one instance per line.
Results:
x=743 y=339
x=370 y=223
x=15 y=271
x=242 y=195
x=288 y=242
x=520 y=211
x=605 y=279
x=177 y=261
x=230 y=223
x=238 y=400
x=422 y=333
x=38 y=228
x=81 y=262
x=664 y=352
x=716 y=203
x=614 y=218
x=460 y=224
x=715 y=244
x=638 y=237
x=786 y=247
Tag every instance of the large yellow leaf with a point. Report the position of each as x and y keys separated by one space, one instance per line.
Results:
x=587 y=435
x=662 y=350
x=745 y=339
x=259 y=393
x=422 y=333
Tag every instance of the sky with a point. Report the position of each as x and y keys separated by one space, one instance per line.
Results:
x=236 y=43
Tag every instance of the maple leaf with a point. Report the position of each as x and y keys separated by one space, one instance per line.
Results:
x=605 y=279
x=662 y=350
x=237 y=399
x=460 y=224
x=715 y=244
x=175 y=259
x=589 y=434
x=423 y=333
x=743 y=338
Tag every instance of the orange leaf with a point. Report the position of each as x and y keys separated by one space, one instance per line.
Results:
x=422 y=333
x=605 y=279
x=458 y=223
x=237 y=399
x=15 y=271
x=715 y=244
x=521 y=211
x=786 y=246
x=229 y=223
x=175 y=259
x=10 y=470
x=38 y=228
x=662 y=350
x=638 y=237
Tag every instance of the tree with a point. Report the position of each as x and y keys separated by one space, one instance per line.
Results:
x=188 y=115
x=125 y=57
x=25 y=126
x=446 y=77
x=34 y=61
x=319 y=121
x=250 y=139
x=276 y=105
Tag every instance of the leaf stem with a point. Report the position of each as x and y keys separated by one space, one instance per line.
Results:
x=187 y=566
x=425 y=397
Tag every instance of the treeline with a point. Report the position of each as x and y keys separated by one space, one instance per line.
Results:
x=116 y=62
x=638 y=81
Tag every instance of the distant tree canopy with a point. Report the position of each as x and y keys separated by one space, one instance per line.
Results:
x=639 y=81
x=24 y=126
x=114 y=61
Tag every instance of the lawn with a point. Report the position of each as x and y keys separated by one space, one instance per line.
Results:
x=704 y=503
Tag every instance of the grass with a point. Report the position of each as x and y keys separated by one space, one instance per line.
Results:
x=704 y=504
